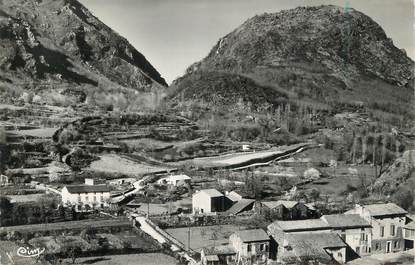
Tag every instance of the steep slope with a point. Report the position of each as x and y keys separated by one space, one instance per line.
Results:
x=58 y=46
x=323 y=54
x=398 y=173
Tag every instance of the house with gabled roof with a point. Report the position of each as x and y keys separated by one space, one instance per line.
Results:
x=85 y=197
x=175 y=180
x=251 y=245
x=310 y=248
x=353 y=229
x=241 y=206
x=244 y=247
x=285 y=210
x=208 y=201
x=278 y=230
x=217 y=255
x=387 y=221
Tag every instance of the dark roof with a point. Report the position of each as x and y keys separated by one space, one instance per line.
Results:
x=384 y=209
x=321 y=240
x=345 y=220
x=274 y=204
x=212 y=257
x=252 y=235
x=314 y=244
x=240 y=206
x=87 y=188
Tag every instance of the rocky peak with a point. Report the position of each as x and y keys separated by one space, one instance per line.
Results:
x=345 y=42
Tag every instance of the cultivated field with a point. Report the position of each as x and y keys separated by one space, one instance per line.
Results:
x=341 y=177
x=38 y=133
x=131 y=259
x=111 y=163
x=25 y=198
x=68 y=225
x=236 y=160
x=204 y=236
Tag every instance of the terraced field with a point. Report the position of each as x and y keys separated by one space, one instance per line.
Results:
x=237 y=160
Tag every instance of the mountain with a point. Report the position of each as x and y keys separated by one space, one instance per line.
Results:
x=56 y=49
x=322 y=56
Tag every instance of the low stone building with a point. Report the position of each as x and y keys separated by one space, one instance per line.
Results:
x=245 y=247
x=285 y=210
x=175 y=180
x=325 y=248
x=251 y=245
x=355 y=231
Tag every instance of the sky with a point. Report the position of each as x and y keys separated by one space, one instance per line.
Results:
x=173 y=34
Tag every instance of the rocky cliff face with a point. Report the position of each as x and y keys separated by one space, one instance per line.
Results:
x=398 y=173
x=59 y=44
x=323 y=53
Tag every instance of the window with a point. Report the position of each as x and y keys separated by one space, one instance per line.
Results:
x=377 y=246
x=396 y=244
x=362 y=236
x=79 y=197
x=262 y=247
x=86 y=198
x=392 y=230
x=382 y=231
x=339 y=254
x=266 y=248
x=95 y=198
x=249 y=247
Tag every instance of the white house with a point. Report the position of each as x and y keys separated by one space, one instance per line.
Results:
x=4 y=180
x=246 y=147
x=175 y=180
x=84 y=196
x=208 y=201
x=387 y=221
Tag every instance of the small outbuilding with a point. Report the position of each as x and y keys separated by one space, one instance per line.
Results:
x=312 y=174
x=175 y=180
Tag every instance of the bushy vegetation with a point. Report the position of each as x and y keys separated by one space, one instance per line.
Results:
x=45 y=210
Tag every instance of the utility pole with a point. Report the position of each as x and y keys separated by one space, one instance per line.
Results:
x=148 y=208
x=188 y=239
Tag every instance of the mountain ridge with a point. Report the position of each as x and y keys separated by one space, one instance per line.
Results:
x=324 y=54
x=61 y=44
